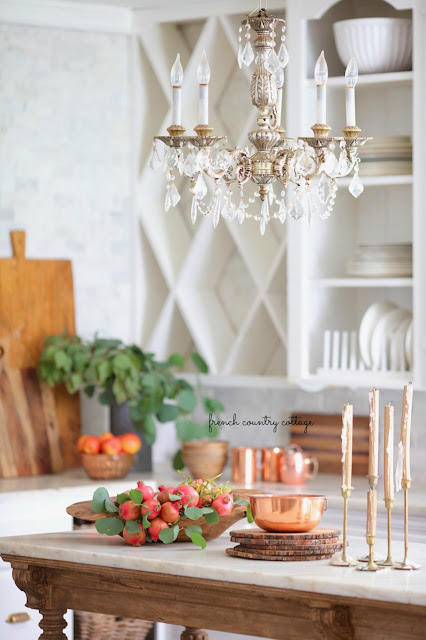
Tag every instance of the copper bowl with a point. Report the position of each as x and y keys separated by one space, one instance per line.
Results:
x=287 y=513
x=104 y=466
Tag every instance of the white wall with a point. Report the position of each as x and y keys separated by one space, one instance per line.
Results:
x=65 y=161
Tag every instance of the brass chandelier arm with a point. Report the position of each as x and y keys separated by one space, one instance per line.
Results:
x=243 y=169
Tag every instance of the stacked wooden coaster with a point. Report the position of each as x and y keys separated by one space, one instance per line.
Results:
x=255 y=544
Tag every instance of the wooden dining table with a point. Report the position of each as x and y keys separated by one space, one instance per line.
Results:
x=207 y=589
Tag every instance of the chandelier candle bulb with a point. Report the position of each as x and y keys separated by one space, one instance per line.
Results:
x=176 y=78
x=407 y=407
x=373 y=444
x=321 y=77
x=388 y=461
x=351 y=76
x=347 y=428
x=203 y=76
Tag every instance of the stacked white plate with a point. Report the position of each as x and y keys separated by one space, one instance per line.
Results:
x=387 y=155
x=386 y=337
x=382 y=260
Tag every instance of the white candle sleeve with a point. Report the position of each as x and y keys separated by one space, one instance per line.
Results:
x=350 y=107
x=204 y=104
x=398 y=470
x=177 y=105
x=321 y=104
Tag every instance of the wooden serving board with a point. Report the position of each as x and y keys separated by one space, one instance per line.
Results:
x=253 y=556
x=292 y=552
x=29 y=433
x=36 y=300
x=83 y=511
x=259 y=534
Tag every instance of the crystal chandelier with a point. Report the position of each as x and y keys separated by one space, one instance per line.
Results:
x=274 y=160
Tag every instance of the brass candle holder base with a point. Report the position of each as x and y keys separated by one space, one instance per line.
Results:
x=406 y=565
x=388 y=562
x=371 y=564
x=342 y=559
x=372 y=481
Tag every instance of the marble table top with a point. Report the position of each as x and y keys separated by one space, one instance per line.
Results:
x=88 y=547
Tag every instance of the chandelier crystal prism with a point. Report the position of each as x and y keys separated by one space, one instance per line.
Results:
x=306 y=169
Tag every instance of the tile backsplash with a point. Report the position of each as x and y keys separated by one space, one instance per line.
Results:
x=65 y=161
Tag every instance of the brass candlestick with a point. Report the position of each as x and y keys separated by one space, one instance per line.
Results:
x=406 y=565
x=372 y=481
x=371 y=565
x=388 y=562
x=343 y=560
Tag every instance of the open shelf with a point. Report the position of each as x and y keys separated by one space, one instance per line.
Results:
x=366 y=379
x=397 y=79
x=361 y=282
x=379 y=181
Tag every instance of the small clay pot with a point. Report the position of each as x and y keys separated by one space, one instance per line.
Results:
x=205 y=459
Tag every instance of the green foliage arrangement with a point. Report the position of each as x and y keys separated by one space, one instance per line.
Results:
x=125 y=373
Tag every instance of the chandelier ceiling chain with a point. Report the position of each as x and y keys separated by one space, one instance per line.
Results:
x=306 y=170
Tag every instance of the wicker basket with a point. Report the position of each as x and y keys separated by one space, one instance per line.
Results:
x=97 y=626
x=103 y=466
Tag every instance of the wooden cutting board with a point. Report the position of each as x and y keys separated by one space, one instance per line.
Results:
x=30 y=437
x=36 y=300
x=260 y=535
x=323 y=440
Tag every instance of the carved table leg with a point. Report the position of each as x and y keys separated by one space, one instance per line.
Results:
x=52 y=624
x=191 y=633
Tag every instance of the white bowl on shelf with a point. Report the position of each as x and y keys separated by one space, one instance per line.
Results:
x=379 y=45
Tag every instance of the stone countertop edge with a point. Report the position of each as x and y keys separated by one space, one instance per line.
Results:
x=88 y=547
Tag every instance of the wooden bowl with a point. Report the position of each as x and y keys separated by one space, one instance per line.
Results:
x=104 y=466
x=83 y=511
x=205 y=459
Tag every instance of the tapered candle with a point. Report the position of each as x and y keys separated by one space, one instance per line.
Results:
x=351 y=76
x=176 y=78
x=371 y=512
x=407 y=407
x=388 y=462
x=321 y=77
x=203 y=76
x=347 y=426
x=373 y=441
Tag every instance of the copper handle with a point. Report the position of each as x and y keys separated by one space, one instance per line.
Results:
x=312 y=462
x=18 y=617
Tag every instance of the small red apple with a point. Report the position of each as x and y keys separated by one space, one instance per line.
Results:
x=111 y=446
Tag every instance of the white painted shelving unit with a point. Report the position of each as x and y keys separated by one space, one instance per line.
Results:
x=392 y=208
x=256 y=308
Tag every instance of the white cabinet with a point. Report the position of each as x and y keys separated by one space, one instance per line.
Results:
x=258 y=306
x=391 y=209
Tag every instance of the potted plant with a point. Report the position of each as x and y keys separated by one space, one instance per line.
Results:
x=138 y=389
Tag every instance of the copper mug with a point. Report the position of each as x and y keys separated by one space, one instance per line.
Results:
x=271 y=464
x=296 y=466
x=247 y=464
